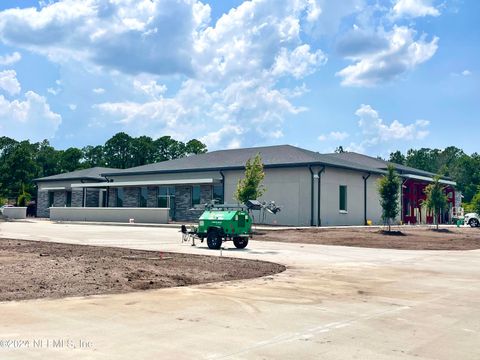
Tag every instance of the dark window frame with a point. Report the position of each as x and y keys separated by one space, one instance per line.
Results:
x=220 y=195
x=143 y=197
x=119 y=199
x=194 y=200
x=51 y=198
x=343 y=207
x=68 y=198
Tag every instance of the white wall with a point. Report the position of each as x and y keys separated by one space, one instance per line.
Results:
x=140 y=215
x=288 y=187
x=332 y=178
x=15 y=212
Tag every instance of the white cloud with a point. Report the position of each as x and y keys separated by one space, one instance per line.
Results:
x=149 y=87
x=414 y=8
x=99 y=90
x=30 y=118
x=377 y=131
x=132 y=36
x=9 y=82
x=466 y=73
x=334 y=135
x=248 y=106
x=299 y=62
x=229 y=70
x=53 y=91
x=401 y=54
x=10 y=59
x=72 y=107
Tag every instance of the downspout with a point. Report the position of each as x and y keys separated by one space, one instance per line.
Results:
x=223 y=185
x=319 y=174
x=365 y=178
x=311 y=197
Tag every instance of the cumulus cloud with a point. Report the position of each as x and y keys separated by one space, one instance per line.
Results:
x=299 y=62
x=29 y=118
x=9 y=82
x=334 y=135
x=229 y=72
x=237 y=65
x=132 y=36
x=10 y=59
x=376 y=130
x=99 y=90
x=149 y=87
x=399 y=53
x=414 y=8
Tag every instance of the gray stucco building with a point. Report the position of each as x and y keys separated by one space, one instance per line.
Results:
x=312 y=189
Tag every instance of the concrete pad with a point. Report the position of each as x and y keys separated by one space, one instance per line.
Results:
x=331 y=303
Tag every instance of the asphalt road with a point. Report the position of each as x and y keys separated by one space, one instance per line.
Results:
x=331 y=303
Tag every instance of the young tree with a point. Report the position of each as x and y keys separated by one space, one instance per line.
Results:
x=436 y=199
x=388 y=188
x=251 y=187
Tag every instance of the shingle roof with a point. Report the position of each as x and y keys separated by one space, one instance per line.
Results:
x=86 y=174
x=378 y=163
x=272 y=156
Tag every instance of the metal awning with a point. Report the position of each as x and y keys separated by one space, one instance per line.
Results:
x=429 y=179
x=54 y=188
x=147 y=183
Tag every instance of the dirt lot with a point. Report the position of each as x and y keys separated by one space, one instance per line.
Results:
x=408 y=239
x=31 y=269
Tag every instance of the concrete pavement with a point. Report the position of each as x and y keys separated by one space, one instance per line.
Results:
x=331 y=303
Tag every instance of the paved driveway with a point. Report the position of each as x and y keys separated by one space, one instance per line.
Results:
x=331 y=303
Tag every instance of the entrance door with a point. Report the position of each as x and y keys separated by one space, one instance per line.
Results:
x=166 y=198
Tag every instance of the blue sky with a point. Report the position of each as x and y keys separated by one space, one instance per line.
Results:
x=372 y=76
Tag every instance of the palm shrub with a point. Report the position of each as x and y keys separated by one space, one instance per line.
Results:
x=24 y=197
x=436 y=199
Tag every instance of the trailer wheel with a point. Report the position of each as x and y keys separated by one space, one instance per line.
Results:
x=240 y=242
x=473 y=223
x=214 y=240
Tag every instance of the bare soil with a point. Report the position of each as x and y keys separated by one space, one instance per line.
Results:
x=400 y=238
x=34 y=269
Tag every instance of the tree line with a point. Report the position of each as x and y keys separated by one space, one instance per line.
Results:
x=23 y=161
x=452 y=162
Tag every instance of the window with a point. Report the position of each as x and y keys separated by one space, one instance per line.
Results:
x=195 y=195
x=68 y=198
x=217 y=194
x=120 y=197
x=142 y=196
x=343 y=198
x=51 y=198
x=166 y=196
